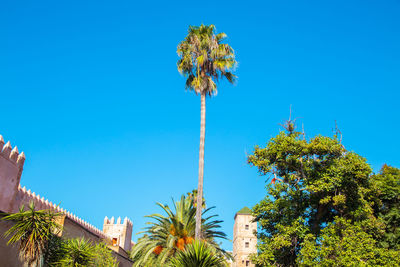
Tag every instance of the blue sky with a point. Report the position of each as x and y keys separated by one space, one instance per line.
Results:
x=90 y=91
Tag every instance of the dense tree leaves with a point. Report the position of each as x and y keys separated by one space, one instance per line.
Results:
x=385 y=189
x=344 y=243
x=313 y=186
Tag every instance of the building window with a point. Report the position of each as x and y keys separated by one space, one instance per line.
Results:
x=246 y=245
x=247 y=263
x=246 y=227
x=114 y=242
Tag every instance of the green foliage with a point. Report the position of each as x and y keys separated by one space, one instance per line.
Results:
x=316 y=184
x=53 y=254
x=385 y=189
x=77 y=253
x=193 y=196
x=36 y=232
x=199 y=254
x=32 y=230
x=204 y=59
x=103 y=256
x=170 y=233
x=343 y=243
x=80 y=252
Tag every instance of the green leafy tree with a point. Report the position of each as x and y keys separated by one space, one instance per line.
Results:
x=32 y=231
x=170 y=233
x=204 y=59
x=313 y=184
x=385 y=189
x=343 y=243
x=199 y=254
x=103 y=256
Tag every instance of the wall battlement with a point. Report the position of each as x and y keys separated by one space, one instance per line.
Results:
x=119 y=232
x=11 y=166
x=24 y=197
x=11 y=154
x=13 y=196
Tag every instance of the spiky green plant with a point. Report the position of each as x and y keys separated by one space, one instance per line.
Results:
x=169 y=233
x=77 y=253
x=32 y=230
x=204 y=59
x=198 y=254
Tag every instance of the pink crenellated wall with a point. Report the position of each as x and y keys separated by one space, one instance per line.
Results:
x=11 y=165
x=13 y=196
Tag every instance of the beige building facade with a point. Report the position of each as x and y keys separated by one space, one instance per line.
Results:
x=244 y=238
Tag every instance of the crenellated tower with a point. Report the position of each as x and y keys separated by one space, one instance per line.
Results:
x=120 y=232
x=244 y=238
x=11 y=165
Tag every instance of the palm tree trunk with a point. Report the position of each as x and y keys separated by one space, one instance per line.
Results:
x=201 y=167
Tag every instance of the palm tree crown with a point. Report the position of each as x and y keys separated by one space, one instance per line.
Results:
x=172 y=232
x=204 y=59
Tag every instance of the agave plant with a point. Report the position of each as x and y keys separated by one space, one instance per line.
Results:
x=32 y=230
x=170 y=233
x=77 y=252
x=199 y=254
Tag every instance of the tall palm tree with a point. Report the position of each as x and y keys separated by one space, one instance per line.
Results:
x=204 y=59
x=33 y=229
x=172 y=232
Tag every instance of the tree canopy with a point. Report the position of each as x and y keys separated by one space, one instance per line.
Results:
x=324 y=205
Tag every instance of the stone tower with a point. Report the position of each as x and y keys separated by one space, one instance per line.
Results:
x=119 y=233
x=244 y=239
x=11 y=165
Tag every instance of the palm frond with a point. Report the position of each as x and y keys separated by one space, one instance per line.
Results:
x=33 y=230
x=166 y=235
x=204 y=59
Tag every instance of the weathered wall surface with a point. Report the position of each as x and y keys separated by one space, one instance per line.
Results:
x=11 y=165
x=8 y=254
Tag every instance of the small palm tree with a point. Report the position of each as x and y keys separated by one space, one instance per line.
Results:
x=171 y=233
x=199 y=254
x=204 y=59
x=33 y=229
